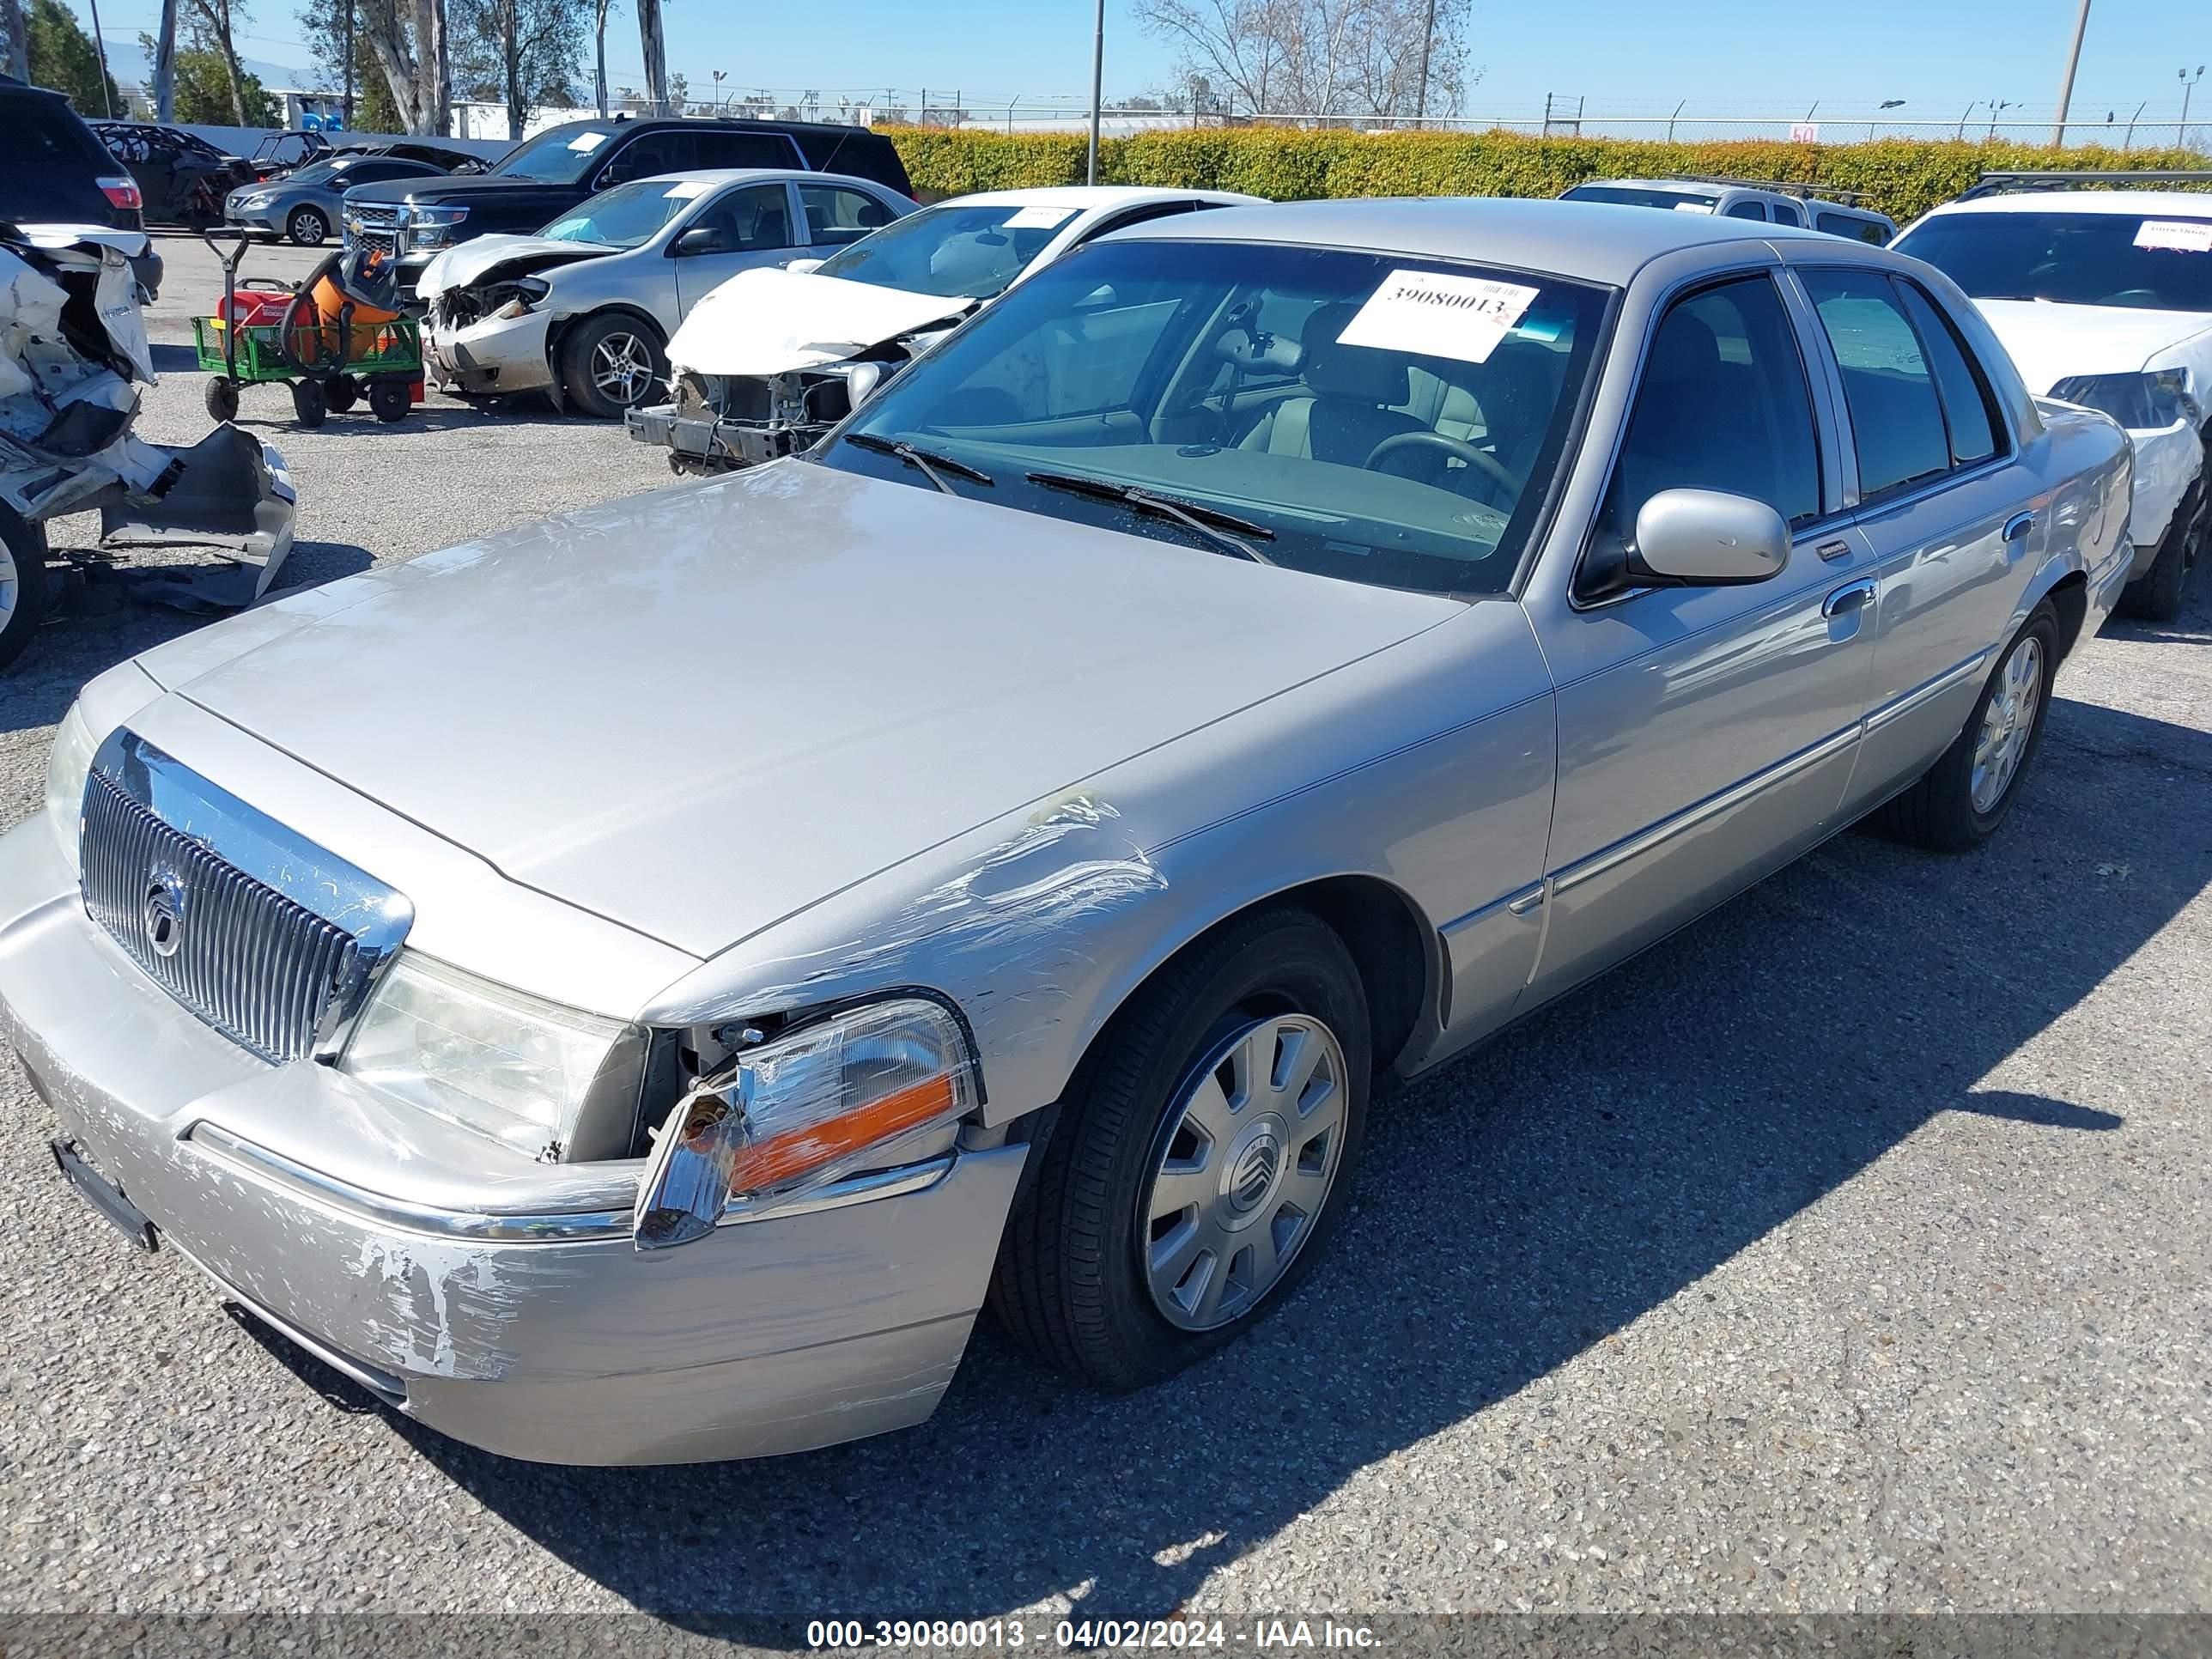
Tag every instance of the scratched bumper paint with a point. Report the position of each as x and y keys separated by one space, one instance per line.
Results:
x=773 y=1336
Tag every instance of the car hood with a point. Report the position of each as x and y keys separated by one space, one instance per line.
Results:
x=770 y=322
x=491 y=258
x=2051 y=342
x=697 y=711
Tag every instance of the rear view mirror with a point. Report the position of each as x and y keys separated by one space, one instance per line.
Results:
x=1708 y=538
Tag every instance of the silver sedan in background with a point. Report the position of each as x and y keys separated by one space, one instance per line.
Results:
x=306 y=206
x=584 y=309
x=627 y=989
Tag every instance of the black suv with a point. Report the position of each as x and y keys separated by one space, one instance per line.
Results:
x=545 y=176
x=60 y=173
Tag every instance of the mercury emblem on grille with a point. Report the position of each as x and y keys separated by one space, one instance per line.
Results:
x=164 y=913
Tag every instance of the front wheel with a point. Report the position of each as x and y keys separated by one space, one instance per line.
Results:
x=307 y=226
x=388 y=400
x=1960 y=800
x=309 y=406
x=222 y=398
x=1200 y=1159
x=611 y=364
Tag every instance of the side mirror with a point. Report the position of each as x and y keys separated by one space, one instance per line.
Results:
x=1708 y=538
x=700 y=238
x=800 y=267
x=615 y=173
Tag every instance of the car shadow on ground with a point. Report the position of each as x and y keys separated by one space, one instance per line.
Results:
x=1513 y=1210
x=103 y=619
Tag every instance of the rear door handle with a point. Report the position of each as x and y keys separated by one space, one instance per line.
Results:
x=1853 y=596
x=2017 y=527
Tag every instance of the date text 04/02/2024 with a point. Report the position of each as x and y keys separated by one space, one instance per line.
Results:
x=1088 y=1634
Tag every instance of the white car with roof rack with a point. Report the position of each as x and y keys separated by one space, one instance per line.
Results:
x=1839 y=212
x=2104 y=298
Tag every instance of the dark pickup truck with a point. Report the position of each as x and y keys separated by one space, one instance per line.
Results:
x=545 y=175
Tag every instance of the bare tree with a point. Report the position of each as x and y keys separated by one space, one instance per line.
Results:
x=15 y=40
x=165 y=64
x=406 y=39
x=1316 y=58
x=600 y=9
x=655 y=47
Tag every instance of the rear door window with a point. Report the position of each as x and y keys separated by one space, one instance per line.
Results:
x=837 y=213
x=740 y=148
x=1896 y=418
x=1747 y=208
x=1967 y=404
x=1787 y=213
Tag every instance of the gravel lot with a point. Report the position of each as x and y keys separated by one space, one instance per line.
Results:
x=1849 y=1252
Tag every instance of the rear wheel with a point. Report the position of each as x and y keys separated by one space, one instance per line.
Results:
x=1199 y=1160
x=222 y=398
x=1962 y=800
x=388 y=401
x=309 y=403
x=22 y=583
x=611 y=364
x=342 y=392
x=307 y=226
x=2155 y=596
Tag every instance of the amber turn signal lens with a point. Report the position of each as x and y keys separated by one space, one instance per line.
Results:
x=784 y=1157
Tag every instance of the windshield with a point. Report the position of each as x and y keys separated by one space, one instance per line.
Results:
x=2158 y=262
x=628 y=215
x=952 y=251
x=1386 y=420
x=556 y=157
x=1630 y=196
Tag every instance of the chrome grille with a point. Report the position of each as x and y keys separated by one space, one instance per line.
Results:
x=378 y=226
x=274 y=975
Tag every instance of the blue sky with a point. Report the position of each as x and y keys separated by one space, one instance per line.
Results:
x=1744 y=57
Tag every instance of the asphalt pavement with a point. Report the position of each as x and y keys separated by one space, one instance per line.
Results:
x=1847 y=1253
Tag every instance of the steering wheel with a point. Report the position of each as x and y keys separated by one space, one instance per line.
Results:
x=1466 y=452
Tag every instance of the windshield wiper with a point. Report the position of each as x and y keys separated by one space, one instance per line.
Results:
x=928 y=462
x=1224 y=530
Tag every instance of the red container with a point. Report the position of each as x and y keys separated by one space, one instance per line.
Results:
x=255 y=306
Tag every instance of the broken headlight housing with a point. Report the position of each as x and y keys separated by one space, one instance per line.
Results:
x=842 y=1095
x=552 y=1082
x=2144 y=402
x=506 y=301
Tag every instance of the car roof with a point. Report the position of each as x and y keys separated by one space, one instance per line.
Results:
x=1599 y=241
x=1090 y=197
x=765 y=175
x=1678 y=186
x=639 y=123
x=2140 y=203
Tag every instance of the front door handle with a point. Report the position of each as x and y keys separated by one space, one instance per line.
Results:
x=2017 y=527
x=1853 y=596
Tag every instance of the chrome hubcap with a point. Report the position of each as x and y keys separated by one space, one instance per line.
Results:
x=2007 y=722
x=1242 y=1169
x=622 y=368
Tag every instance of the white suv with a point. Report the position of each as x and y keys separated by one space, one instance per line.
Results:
x=2104 y=297
x=1741 y=198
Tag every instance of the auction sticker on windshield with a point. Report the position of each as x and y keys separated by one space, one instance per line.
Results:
x=683 y=189
x=1433 y=315
x=2183 y=236
x=1039 y=218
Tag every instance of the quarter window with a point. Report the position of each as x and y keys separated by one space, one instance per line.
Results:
x=1897 y=420
x=1786 y=213
x=1724 y=404
x=1748 y=209
x=837 y=215
x=1967 y=401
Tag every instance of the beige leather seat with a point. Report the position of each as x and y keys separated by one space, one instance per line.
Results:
x=1351 y=389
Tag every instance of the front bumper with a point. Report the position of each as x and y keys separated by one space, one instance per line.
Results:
x=2168 y=461
x=256 y=222
x=713 y=442
x=497 y=355
x=526 y=1322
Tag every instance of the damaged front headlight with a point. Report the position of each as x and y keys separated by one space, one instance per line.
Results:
x=2142 y=402
x=511 y=300
x=792 y=1116
x=552 y=1082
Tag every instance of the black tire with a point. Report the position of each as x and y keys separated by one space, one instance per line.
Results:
x=26 y=545
x=580 y=351
x=1070 y=1283
x=308 y=227
x=1938 y=812
x=309 y=403
x=388 y=401
x=222 y=398
x=341 y=392
x=2155 y=596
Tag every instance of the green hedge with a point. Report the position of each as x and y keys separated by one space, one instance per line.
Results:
x=1901 y=177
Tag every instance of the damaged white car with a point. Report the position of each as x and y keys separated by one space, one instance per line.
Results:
x=73 y=353
x=771 y=360
x=582 y=311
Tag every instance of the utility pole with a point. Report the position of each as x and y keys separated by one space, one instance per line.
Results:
x=1097 y=85
x=1428 y=38
x=2066 y=80
x=99 y=40
x=165 y=64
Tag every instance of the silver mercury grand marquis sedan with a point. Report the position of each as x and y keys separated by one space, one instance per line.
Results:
x=630 y=989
